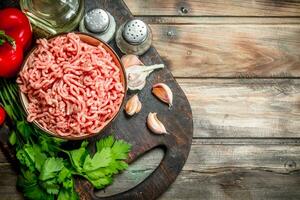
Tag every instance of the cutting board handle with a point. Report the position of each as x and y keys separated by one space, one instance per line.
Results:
x=157 y=181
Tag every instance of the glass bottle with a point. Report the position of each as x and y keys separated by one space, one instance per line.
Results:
x=50 y=17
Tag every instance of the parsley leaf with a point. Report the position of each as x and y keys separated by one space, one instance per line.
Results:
x=24 y=128
x=120 y=150
x=51 y=186
x=101 y=182
x=105 y=142
x=51 y=168
x=78 y=156
x=12 y=138
x=100 y=159
x=63 y=175
x=28 y=182
x=50 y=145
x=39 y=157
x=65 y=194
x=25 y=159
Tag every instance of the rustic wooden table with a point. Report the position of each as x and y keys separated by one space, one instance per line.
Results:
x=239 y=64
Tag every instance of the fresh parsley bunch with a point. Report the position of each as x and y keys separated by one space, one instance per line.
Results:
x=47 y=170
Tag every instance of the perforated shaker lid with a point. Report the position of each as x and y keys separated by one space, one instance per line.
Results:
x=135 y=31
x=96 y=21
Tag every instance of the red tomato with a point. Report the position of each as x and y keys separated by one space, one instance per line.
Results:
x=2 y=115
x=15 y=24
x=15 y=36
x=10 y=60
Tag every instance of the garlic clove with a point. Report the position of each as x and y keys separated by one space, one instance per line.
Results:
x=155 y=125
x=130 y=60
x=133 y=105
x=139 y=107
x=136 y=81
x=137 y=75
x=164 y=93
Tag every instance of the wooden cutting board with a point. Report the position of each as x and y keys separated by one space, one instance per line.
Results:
x=178 y=121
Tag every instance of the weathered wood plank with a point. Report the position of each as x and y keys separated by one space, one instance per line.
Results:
x=213 y=171
x=2 y=157
x=234 y=184
x=229 y=50
x=8 y=180
x=219 y=20
x=244 y=107
x=214 y=8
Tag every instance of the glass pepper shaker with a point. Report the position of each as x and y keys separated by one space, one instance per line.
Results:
x=134 y=37
x=99 y=23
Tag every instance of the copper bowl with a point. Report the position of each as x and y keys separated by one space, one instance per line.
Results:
x=95 y=42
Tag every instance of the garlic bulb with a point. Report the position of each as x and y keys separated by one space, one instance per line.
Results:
x=136 y=72
x=155 y=125
x=130 y=60
x=133 y=105
x=137 y=75
x=164 y=93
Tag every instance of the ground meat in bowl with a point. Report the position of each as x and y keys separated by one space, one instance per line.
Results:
x=73 y=88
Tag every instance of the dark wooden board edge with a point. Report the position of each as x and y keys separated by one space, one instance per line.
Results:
x=176 y=145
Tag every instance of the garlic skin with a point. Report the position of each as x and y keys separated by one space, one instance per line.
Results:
x=137 y=75
x=137 y=72
x=130 y=60
x=164 y=93
x=133 y=105
x=155 y=125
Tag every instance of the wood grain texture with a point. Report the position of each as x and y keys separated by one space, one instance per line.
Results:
x=248 y=108
x=225 y=170
x=229 y=50
x=214 y=8
x=179 y=121
x=176 y=20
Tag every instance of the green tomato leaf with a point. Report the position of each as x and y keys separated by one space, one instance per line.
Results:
x=51 y=168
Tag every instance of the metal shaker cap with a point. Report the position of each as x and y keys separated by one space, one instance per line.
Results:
x=135 y=32
x=97 y=21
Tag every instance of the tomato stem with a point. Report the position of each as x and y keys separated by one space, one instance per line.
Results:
x=7 y=38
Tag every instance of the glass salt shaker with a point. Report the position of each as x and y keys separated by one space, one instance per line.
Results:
x=99 y=23
x=134 y=37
